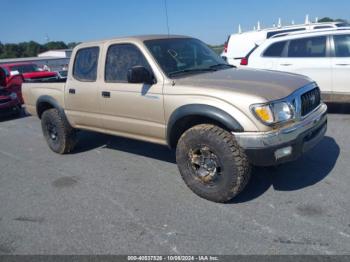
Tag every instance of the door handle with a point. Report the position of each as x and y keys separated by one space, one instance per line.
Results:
x=286 y=64
x=106 y=94
x=71 y=91
x=342 y=64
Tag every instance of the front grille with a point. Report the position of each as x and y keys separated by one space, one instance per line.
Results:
x=310 y=100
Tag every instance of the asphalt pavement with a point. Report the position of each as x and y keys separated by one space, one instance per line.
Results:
x=118 y=196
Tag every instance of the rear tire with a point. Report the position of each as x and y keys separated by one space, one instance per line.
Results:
x=211 y=163
x=59 y=135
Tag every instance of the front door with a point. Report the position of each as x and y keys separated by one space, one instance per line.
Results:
x=135 y=110
x=341 y=64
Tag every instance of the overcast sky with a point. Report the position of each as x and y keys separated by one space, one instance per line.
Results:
x=209 y=20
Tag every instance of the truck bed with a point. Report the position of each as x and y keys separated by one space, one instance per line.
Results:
x=32 y=91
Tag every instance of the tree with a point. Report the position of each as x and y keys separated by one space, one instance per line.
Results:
x=1 y=48
x=328 y=19
x=11 y=51
x=55 y=45
x=71 y=45
x=32 y=49
x=29 y=49
x=341 y=20
x=325 y=20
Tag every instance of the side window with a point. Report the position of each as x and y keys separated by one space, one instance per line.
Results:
x=308 y=47
x=342 y=45
x=120 y=58
x=85 y=64
x=275 y=50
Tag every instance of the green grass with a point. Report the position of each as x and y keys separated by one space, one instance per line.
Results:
x=217 y=48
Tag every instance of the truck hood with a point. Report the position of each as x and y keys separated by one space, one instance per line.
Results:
x=271 y=85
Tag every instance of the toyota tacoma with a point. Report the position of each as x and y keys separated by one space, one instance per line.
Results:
x=175 y=91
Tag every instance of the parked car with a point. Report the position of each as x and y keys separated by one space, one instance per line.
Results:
x=10 y=93
x=62 y=74
x=29 y=71
x=324 y=56
x=175 y=91
x=239 y=45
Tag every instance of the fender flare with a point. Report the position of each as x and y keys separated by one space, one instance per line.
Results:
x=52 y=102
x=207 y=111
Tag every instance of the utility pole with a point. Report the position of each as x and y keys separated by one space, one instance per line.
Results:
x=166 y=16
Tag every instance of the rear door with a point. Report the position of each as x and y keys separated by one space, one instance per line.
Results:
x=341 y=64
x=82 y=103
x=269 y=57
x=308 y=56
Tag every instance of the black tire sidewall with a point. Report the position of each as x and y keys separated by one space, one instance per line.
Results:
x=52 y=117
x=229 y=178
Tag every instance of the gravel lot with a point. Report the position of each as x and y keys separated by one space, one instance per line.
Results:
x=119 y=196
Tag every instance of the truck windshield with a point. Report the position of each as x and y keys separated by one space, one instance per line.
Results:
x=181 y=56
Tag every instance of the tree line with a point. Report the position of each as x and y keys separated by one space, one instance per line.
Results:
x=31 y=48
x=328 y=19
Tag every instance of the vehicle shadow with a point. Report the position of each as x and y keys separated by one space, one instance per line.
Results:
x=91 y=140
x=11 y=117
x=310 y=169
x=338 y=108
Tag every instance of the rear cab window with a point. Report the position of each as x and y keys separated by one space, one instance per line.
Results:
x=85 y=64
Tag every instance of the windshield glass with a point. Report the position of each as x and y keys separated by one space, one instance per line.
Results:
x=177 y=56
x=63 y=73
x=22 y=69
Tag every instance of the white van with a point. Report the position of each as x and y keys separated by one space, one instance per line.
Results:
x=239 y=45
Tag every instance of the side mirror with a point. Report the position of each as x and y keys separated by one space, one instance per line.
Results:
x=139 y=74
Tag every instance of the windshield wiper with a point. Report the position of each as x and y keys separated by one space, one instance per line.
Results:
x=221 y=65
x=194 y=70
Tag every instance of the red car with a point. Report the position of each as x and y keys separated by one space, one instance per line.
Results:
x=29 y=71
x=10 y=92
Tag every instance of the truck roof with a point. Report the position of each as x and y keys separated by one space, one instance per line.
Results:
x=136 y=37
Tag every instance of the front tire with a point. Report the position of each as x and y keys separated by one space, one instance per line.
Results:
x=59 y=135
x=211 y=163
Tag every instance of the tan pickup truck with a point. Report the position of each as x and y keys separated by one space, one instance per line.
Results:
x=175 y=91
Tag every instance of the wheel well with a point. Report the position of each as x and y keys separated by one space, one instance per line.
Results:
x=42 y=107
x=185 y=123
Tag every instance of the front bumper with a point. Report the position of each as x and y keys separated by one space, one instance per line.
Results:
x=261 y=147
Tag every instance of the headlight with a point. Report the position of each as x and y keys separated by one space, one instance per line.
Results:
x=274 y=113
x=13 y=96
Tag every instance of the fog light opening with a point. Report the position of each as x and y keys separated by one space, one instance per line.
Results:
x=283 y=152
